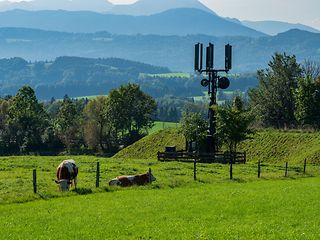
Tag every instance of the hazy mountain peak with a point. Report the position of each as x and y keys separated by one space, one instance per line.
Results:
x=149 y=7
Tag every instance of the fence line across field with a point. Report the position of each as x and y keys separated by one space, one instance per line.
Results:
x=261 y=168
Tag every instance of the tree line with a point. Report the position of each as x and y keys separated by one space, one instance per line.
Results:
x=101 y=125
x=287 y=96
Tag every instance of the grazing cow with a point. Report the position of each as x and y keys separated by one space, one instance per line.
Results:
x=67 y=172
x=125 y=181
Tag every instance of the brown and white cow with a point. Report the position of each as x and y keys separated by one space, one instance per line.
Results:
x=67 y=172
x=125 y=181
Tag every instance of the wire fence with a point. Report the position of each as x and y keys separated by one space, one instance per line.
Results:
x=21 y=177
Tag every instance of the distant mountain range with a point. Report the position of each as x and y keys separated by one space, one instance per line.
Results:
x=174 y=52
x=139 y=8
x=143 y=8
x=275 y=27
x=172 y=22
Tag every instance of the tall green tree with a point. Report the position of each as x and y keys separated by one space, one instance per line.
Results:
x=233 y=124
x=193 y=127
x=99 y=129
x=27 y=119
x=131 y=110
x=68 y=125
x=4 y=126
x=273 y=100
x=308 y=102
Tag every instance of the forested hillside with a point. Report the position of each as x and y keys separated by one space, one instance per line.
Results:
x=70 y=75
x=76 y=77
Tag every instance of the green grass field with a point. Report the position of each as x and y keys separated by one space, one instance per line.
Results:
x=163 y=125
x=175 y=206
x=273 y=209
x=16 y=174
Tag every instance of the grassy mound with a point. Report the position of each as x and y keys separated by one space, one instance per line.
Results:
x=268 y=146
x=148 y=147
x=276 y=147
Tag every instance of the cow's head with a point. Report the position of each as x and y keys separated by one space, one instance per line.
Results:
x=63 y=185
x=151 y=177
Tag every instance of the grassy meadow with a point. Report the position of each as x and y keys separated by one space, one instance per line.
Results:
x=174 y=206
x=273 y=209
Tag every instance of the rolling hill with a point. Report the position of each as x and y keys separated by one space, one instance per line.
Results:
x=266 y=146
x=70 y=75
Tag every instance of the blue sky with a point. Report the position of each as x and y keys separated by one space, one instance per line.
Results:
x=294 y=11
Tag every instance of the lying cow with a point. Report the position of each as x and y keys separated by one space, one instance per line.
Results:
x=67 y=173
x=125 y=181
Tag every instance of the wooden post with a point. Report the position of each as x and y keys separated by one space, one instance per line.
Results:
x=195 y=169
x=305 y=166
x=245 y=157
x=231 y=173
x=286 y=170
x=150 y=180
x=259 y=169
x=34 y=180
x=98 y=175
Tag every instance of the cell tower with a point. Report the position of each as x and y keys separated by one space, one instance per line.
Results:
x=213 y=82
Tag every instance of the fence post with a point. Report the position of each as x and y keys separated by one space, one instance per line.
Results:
x=304 y=166
x=231 y=173
x=150 y=180
x=259 y=169
x=195 y=169
x=245 y=157
x=34 y=180
x=286 y=170
x=98 y=175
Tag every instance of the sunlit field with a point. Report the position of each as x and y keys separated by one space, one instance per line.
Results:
x=173 y=207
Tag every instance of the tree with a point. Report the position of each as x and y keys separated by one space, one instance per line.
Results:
x=307 y=98
x=273 y=99
x=193 y=127
x=99 y=129
x=233 y=124
x=4 y=126
x=311 y=69
x=68 y=125
x=131 y=111
x=27 y=119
